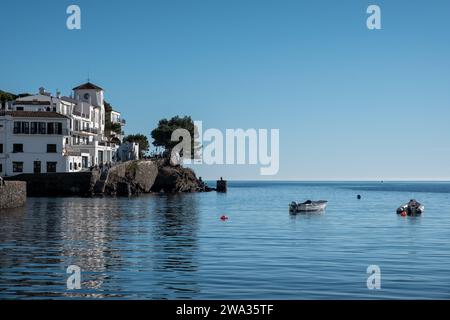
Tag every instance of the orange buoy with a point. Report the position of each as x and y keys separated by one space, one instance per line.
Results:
x=224 y=218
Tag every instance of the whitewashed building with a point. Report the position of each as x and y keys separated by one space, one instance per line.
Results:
x=44 y=133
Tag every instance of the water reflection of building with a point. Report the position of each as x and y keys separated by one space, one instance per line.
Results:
x=175 y=243
x=86 y=236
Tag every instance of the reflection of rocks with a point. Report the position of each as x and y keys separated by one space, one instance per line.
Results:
x=133 y=177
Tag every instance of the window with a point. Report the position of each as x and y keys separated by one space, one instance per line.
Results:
x=17 y=127
x=50 y=128
x=17 y=166
x=59 y=127
x=1 y=148
x=75 y=165
x=34 y=128
x=51 y=148
x=71 y=166
x=21 y=127
x=17 y=148
x=42 y=128
x=1 y=167
x=19 y=108
x=26 y=127
x=51 y=166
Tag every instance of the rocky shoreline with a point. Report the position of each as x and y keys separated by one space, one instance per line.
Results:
x=125 y=179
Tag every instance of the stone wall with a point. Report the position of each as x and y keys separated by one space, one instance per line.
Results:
x=13 y=194
x=59 y=184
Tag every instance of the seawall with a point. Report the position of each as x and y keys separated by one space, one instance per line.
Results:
x=13 y=194
x=59 y=184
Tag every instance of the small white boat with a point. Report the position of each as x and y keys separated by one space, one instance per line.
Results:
x=411 y=208
x=308 y=206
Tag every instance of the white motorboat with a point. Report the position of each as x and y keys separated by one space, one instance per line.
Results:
x=308 y=206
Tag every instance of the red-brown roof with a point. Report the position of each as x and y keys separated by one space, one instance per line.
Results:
x=35 y=114
x=87 y=86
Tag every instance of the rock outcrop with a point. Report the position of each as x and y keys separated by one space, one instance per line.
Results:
x=124 y=179
x=172 y=179
x=131 y=178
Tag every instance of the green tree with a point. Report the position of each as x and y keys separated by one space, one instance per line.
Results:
x=141 y=140
x=108 y=107
x=6 y=96
x=162 y=135
x=114 y=127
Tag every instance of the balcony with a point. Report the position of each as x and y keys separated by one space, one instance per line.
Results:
x=120 y=121
x=106 y=144
x=62 y=132
x=87 y=130
x=79 y=114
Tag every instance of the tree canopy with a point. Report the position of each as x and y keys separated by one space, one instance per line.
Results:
x=162 y=135
x=7 y=96
x=141 y=140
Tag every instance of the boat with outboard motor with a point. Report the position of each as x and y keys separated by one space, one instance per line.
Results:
x=308 y=206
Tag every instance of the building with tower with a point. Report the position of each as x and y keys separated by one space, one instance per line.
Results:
x=46 y=133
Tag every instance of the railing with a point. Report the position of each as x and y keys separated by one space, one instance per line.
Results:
x=79 y=114
x=88 y=130
x=121 y=121
x=106 y=144
x=64 y=132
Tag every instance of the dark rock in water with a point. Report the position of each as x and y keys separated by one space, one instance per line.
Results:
x=172 y=179
x=123 y=189
x=131 y=178
x=13 y=194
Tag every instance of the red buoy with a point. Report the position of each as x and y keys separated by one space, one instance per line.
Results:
x=224 y=218
x=403 y=214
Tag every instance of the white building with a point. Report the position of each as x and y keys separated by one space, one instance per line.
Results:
x=44 y=133
x=128 y=151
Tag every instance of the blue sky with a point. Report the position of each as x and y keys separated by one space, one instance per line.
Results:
x=350 y=103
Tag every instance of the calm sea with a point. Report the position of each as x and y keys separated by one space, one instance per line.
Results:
x=176 y=247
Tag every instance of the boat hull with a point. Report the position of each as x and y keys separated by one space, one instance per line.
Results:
x=411 y=210
x=313 y=206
